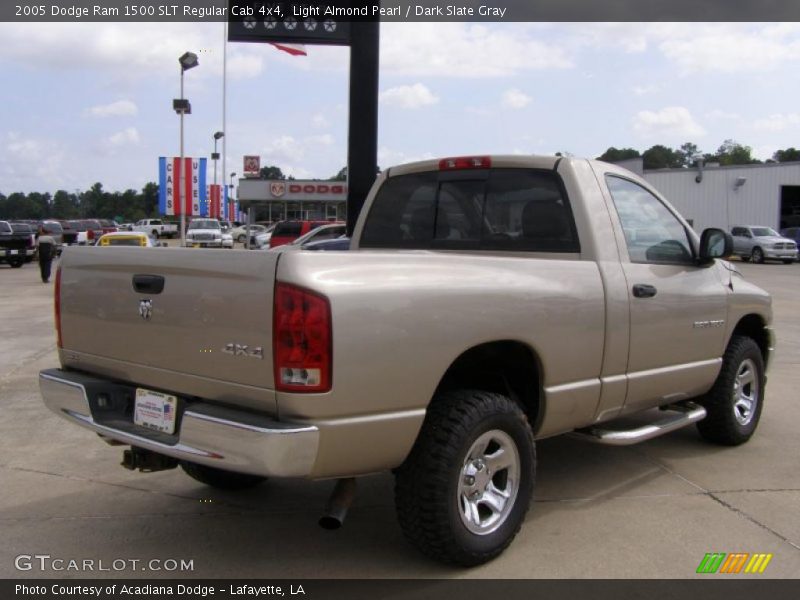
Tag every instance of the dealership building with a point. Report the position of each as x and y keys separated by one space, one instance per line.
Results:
x=714 y=196
x=282 y=199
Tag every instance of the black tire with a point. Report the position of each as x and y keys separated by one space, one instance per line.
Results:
x=219 y=478
x=757 y=255
x=241 y=238
x=16 y=263
x=788 y=262
x=431 y=486
x=155 y=234
x=727 y=422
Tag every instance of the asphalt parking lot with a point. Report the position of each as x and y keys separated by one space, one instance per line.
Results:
x=652 y=510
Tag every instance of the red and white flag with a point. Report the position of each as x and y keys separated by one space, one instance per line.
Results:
x=293 y=49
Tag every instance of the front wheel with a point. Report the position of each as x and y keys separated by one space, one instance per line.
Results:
x=757 y=256
x=734 y=403
x=219 y=478
x=16 y=263
x=463 y=492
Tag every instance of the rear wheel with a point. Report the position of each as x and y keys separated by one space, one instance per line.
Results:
x=241 y=239
x=463 y=492
x=219 y=478
x=155 y=234
x=788 y=262
x=757 y=255
x=734 y=403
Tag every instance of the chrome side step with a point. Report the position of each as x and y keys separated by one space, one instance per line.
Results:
x=683 y=414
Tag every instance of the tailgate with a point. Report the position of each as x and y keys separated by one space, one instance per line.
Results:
x=212 y=320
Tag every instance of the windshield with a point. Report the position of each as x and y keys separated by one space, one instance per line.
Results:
x=204 y=224
x=5 y=227
x=764 y=232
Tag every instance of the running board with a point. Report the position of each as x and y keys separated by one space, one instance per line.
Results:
x=687 y=413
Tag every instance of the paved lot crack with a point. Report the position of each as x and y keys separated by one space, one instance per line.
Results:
x=713 y=496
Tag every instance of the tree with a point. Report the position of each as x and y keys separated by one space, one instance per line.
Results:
x=149 y=202
x=661 y=157
x=271 y=172
x=65 y=205
x=340 y=176
x=688 y=152
x=787 y=155
x=618 y=154
x=732 y=152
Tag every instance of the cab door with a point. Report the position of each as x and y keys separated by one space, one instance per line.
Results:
x=677 y=308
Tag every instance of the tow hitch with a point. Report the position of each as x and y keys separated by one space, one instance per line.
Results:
x=147 y=461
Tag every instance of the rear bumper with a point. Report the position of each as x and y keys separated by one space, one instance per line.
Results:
x=208 y=434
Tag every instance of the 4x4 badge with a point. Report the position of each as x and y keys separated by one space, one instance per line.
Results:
x=146 y=309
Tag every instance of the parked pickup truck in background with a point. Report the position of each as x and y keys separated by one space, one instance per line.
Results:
x=156 y=228
x=484 y=303
x=14 y=245
x=759 y=243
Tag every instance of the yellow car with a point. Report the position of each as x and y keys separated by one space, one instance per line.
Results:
x=125 y=238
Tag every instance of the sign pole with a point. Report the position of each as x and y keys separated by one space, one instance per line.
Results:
x=362 y=139
x=182 y=185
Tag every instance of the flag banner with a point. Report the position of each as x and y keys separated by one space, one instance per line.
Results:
x=182 y=187
x=293 y=49
x=215 y=201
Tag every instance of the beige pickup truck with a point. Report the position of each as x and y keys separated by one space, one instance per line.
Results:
x=485 y=303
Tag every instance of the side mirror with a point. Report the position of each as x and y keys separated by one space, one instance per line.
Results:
x=714 y=243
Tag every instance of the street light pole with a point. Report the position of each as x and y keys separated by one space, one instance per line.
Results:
x=215 y=158
x=188 y=60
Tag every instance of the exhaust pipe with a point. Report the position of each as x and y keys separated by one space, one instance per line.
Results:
x=338 y=504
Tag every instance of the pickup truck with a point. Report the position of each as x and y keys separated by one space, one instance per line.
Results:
x=484 y=303
x=14 y=245
x=759 y=243
x=156 y=228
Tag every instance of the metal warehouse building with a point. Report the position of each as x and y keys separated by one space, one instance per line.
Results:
x=713 y=196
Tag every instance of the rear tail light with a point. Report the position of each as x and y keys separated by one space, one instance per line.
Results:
x=57 y=294
x=465 y=162
x=301 y=339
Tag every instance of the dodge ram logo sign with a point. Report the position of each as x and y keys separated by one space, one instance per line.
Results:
x=277 y=189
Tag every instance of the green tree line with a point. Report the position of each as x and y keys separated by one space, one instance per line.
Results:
x=95 y=203
x=729 y=153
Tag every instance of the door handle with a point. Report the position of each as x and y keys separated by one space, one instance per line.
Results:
x=643 y=290
x=148 y=284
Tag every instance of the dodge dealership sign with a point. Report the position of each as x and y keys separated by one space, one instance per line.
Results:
x=291 y=190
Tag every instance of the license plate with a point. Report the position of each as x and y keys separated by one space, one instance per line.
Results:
x=12 y=252
x=155 y=410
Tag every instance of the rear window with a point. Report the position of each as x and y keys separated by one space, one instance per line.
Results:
x=288 y=228
x=52 y=227
x=501 y=209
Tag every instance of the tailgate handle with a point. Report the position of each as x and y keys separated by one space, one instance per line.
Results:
x=148 y=284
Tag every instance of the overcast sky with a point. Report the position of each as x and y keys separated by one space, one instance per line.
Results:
x=90 y=102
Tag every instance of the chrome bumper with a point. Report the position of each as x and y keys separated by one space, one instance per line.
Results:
x=219 y=437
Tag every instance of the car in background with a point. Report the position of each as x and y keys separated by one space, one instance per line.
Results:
x=204 y=233
x=340 y=243
x=69 y=235
x=89 y=231
x=125 y=238
x=792 y=233
x=288 y=231
x=30 y=249
x=227 y=239
x=323 y=232
x=261 y=240
x=108 y=226
x=759 y=243
x=240 y=233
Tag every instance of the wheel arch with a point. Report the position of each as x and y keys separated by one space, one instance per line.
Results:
x=755 y=326
x=507 y=367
